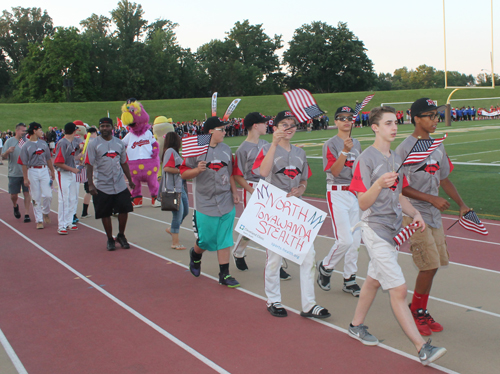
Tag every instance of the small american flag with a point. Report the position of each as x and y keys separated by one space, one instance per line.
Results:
x=405 y=233
x=422 y=149
x=195 y=145
x=21 y=142
x=302 y=104
x=361 y=105
x=471 y=222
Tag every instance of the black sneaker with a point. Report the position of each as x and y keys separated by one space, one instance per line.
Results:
x=17 y=213
x=27 y=218
x=324 y=276
x=227 y=280
x=240 y=263
x=111 y=244
x=120 y=238
x=350 y=286
x=284 y=276
x=277 y=310
x=194 y=265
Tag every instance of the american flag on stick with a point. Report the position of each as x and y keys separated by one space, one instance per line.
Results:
x=405 y=233
x=302 y=104
x=361 y=105
x=470 y=221
x=195 y=145
x=421 y=150
x=21 y=142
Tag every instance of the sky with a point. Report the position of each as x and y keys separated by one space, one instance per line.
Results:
x=396 y=33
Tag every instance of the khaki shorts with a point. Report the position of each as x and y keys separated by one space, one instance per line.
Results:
x=383 y=265
x=428 y=248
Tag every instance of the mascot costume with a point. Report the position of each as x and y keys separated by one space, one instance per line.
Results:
x=142 y=151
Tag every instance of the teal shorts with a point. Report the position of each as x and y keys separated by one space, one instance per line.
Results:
x=213 y=233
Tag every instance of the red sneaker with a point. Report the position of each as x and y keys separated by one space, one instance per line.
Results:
x=421 y=322
x=433 y=325
x=137 y=202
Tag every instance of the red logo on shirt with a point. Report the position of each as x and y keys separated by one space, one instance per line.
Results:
x=39 y=152
x=216 y=165
x=429 y=168
x=290 y=171
x=140 y=143
x=110 y=154
x=349 y=163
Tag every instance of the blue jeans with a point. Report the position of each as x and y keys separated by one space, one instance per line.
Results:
x=179 y=215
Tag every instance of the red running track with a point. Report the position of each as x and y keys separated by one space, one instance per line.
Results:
x=56 y=323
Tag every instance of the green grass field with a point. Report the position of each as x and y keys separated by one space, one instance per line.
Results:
x=58 y=114
x=468 y=144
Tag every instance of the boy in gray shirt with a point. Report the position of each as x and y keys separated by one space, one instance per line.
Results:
x=256 y=125
x=215 y=195
x=35 y=158
x=12 y=150
x=428 y=248
x=379 y=188
x=285 y=166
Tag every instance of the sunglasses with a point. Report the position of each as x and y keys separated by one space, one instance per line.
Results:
x=344 y=119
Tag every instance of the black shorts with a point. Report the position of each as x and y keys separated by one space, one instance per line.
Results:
x=105 y=205
x=86 y=187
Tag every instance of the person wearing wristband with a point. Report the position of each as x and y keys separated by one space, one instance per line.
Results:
x=339 y=154
x=379 y=190
x=285 y=166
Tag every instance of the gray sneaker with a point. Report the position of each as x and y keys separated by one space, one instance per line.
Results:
x=361 y=333
x=428 y=353
x=324 y=276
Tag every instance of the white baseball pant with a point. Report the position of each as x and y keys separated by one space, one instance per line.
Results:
x=344 y=210
x=67 y=194
x=242 y=242
x=272 y=279
x=40 y=191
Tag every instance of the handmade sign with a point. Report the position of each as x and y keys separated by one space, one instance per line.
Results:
x=284 y=225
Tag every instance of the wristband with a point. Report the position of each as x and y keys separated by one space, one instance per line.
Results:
x=345 y=153
x=301 y=185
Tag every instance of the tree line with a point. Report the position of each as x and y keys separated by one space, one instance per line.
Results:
x=124 y=55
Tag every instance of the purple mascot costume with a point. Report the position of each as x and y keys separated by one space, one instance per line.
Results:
x=142 y=151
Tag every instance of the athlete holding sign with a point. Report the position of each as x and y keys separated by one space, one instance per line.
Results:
x=285 y=166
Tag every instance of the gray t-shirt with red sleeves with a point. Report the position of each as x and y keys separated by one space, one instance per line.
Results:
x=212 y=188
x=35 y=153
x=289 y=168
x=385 y=215
x=426 y=177
x=65 y=152
x=106 y=158
x=331 y=151
x=245 y=156
x=171 y=182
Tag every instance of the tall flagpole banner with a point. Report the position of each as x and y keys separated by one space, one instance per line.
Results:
x=214 y=105
x=230 y=109
x=284 y=225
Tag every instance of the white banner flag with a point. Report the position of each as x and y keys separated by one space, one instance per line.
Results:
x=284 y=225
x=214 y=104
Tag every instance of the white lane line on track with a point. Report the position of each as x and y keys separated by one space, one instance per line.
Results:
x=163 y=332
x=12 y=354
x=241 y=289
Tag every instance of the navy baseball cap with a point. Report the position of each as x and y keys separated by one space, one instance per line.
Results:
x=106 y=120
x=344 y=109
x=33 y=127
x=211 y=123
x=423 y=105
x=283 y=115
x=253 y=118
x=69 y=128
